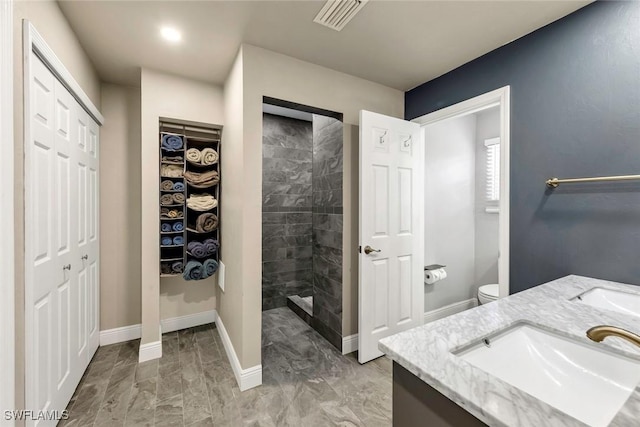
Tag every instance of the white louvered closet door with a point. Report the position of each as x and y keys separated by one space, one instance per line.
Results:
x=61 y=227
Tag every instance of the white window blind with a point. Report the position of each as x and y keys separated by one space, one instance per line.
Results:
x=493 y=169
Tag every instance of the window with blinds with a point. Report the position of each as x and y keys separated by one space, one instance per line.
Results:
x=493 y=169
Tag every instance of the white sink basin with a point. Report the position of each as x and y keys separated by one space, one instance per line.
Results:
x=582 y=380
x=620 y=301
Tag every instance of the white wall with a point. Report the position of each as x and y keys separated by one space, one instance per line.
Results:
x=487 y=231
x=449 y=209
x=120 y=207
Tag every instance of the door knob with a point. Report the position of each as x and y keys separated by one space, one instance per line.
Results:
x=368 y=249
x=67 y=267
x=85 y=257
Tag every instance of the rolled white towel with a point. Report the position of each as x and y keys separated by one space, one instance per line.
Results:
x=209 y=156
x=194 y=155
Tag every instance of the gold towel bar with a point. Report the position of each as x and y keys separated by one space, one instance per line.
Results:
x=555 y=182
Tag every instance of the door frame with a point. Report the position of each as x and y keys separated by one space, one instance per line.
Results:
x=34 y=42
x=7 y=219
x=499 y=97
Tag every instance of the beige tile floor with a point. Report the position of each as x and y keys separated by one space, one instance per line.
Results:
x=306 y=382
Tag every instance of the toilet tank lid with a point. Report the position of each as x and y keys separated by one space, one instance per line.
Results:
x=492 y=290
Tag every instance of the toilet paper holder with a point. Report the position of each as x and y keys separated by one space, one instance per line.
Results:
x=433 y=267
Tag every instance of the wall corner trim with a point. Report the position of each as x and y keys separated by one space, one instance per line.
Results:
x=150 y=351
x=246 y=378
x=450 y=309
x=349 y=344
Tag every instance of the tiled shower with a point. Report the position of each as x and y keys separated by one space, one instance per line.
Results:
x=302 y=178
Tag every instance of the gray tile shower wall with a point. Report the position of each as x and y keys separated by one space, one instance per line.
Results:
x=327 y=228
x=287 y=154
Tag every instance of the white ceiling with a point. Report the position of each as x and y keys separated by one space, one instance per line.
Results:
x=396 y=43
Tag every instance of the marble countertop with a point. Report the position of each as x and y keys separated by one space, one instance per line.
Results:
x=425 y=351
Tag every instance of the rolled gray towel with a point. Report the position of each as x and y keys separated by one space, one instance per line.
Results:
x=192 y=271
x=177 y=266
x=166 y=185
x=206 y=222
x=166 y=199
x=178 y=198
x=211 y=245
x=197 y=249
x=209 y=267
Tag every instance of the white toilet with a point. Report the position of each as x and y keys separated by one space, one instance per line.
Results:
x=488 y=293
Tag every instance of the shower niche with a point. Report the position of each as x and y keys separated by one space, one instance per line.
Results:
x=302 y=222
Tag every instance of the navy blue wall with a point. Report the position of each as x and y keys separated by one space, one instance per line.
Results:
x=575 y=111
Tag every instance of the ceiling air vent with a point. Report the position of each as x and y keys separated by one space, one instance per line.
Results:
x=335 y=14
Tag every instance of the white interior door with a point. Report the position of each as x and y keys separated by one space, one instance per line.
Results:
x=61 y=267
x=390 y=283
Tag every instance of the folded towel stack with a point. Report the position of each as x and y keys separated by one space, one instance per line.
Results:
x=177 y=226
x=209 y=157
x=206 y=223
x=175 y=159
x=171 y=171
x=178 y=240
x=171 y=142
x=194 y=156
x=170 y=213
x=203 y=179
x=166 y=185
x=201 y=202
x=165 y=268
x=178 y=186
x=166 y=241
x=165 y=227
x=195 y=270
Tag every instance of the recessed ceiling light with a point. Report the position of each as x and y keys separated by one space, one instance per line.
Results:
x=171 y=34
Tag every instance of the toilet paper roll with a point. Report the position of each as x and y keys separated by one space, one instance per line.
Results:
x=433 y=276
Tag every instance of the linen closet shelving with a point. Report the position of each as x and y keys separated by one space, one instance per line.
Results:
x=178 y=222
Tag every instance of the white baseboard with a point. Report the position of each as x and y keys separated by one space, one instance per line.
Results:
x=350 y=344
x=150 y=351
x=117 y=335
x=450 y=309
x=246 y=378
x=133 y=332
x=188 y=321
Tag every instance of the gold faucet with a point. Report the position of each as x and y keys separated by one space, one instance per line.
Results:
x=599 y=333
